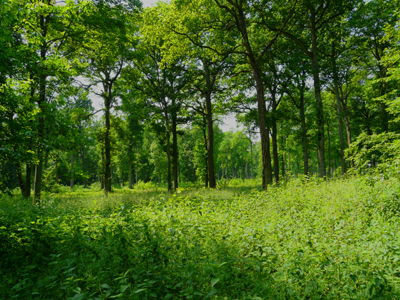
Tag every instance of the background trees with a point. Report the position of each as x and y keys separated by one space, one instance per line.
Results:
x=307 y=77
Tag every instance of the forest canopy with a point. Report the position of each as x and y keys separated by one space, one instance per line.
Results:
x=312 y=84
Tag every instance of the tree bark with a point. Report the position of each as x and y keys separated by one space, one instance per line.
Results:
x=206 y=182
x=318 y=98
x=329 y=149
x=169 y=181
x=107 y=143
x=303 y=128
x=210 y=129
x=28 y=180
x=71 y=183
x=130 y=174
x=262 y=112
x=339 y=111
x=102 y=173
x=41 y=125
x=174 y=148
x=137 y=163
x=275 y=136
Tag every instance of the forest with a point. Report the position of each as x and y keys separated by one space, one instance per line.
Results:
x=118 y=178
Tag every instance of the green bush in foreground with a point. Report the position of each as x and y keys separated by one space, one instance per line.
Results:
x=304 y=240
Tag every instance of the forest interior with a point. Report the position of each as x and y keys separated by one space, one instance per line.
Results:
x=119 y=180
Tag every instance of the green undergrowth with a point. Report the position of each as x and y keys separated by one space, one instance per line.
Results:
x=301 y=240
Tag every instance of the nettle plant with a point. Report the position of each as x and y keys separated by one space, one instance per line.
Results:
x=377 y=153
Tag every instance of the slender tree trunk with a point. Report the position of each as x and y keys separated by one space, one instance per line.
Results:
x=107 y=142
x=318 y=98
x=28 y=180
x=38 y=178
x=251 y=159
x=262 y=112
x=304 y=129
x=206 y=181
x=137 y=163
x=130 y=174
x=347 y=125
x=339 y=111
x=268 y=159
x=329 y=149
x=41 y=122
x=174 y=150
x=210 y=148
x=210 y=129
x=41 y=125
x=275 y=137
x=3 y=176
x=102 y=174
x=71 y=183
x=169 y=181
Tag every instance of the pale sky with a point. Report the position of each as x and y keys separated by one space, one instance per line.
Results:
x=147 y=3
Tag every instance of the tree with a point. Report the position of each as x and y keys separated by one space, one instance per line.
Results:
x=105 y=50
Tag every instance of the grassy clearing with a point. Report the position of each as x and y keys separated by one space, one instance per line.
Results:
x=302 y=240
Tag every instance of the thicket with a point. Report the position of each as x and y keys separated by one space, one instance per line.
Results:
x=303 y=239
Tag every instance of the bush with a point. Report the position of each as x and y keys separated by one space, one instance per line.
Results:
x=141 y=185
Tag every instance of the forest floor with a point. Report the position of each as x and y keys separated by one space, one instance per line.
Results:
x=304 y=239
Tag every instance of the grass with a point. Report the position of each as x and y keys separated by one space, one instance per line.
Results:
x=305 y=239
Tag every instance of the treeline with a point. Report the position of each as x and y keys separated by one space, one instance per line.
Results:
x=304 y=78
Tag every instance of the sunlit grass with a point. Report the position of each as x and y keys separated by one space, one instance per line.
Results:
x=303 y=239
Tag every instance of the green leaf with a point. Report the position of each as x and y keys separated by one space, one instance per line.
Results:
x=214 y=281
x=124 y=287
x=212 y=292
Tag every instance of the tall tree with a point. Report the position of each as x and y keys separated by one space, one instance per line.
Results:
x=104 y=51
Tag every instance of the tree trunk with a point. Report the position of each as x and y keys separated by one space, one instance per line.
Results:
x=303 y=129
x=137 y=163
x=210 y=129
x=174 y=150
x=206 y=182
x=251 y=159
x=107 y=143
x=41 y=125
x=318 y=98
x=28 y=180
x=262 y=112
x=268 y=158
x=339 y=111
x=275 y=137
x=102 y=173
x=329 y=148
x=38 y=178
x=71 y=183
x=41 y=122
x=130 y=174
x=169 y=182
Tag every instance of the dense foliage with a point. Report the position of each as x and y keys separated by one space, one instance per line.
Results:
x=305 y=239
x=305 y=80
x=114 y=201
